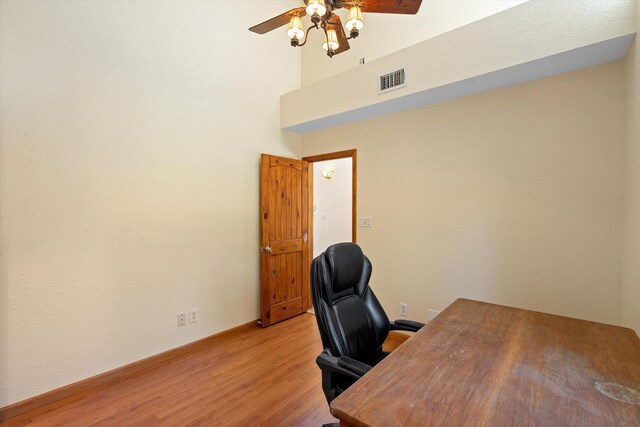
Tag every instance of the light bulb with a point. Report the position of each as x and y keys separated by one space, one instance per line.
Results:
x=354 y=20
x=296 y=30
x=316 y=7
x=331 y=40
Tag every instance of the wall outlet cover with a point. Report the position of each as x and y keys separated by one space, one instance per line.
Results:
x=182 y=319
x=404 y=309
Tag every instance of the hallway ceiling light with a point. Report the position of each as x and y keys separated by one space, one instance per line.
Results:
x=323 y=17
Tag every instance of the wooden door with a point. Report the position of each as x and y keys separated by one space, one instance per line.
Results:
x=284 y=243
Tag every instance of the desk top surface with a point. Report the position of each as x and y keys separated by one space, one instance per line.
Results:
x=489 y=365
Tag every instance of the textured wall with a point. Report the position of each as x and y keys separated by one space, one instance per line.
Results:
x=513 y=196
x=536 y=39
x=131 y=134
x=631 y=273
x=332 y=199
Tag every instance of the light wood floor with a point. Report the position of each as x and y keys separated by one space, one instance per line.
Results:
x=259 y=377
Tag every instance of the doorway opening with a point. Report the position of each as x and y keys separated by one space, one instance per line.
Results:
x=332 y=203
x=332 y=200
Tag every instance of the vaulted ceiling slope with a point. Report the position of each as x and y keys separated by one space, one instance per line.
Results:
x=534 y=40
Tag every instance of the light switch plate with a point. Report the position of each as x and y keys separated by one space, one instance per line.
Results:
x=365 y=221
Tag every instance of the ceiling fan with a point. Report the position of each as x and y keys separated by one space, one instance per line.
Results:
x=323 y=17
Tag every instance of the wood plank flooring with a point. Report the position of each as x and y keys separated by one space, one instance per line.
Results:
x=259 y=377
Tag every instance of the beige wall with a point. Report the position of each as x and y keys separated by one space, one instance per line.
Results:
x=631 y=263
x=537 y=39
x=512 y=196
x=129 y=182
x=130 y=140
x=386 y=33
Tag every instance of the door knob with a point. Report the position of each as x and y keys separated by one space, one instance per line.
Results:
x=266 y=249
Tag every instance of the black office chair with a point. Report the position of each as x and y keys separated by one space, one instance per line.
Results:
x=352 y=323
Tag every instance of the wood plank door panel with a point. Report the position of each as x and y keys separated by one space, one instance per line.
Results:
x=284 y=187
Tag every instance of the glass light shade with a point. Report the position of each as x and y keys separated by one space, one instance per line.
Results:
x=296 y=30
x=331 y=40
x=354 y=20
x=327 y=173
x=316 y=6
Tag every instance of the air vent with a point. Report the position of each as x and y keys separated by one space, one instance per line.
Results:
x=393 y=80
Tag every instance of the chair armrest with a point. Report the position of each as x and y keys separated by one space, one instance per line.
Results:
x=342 y=365
x=354 y=365
x=405 y=325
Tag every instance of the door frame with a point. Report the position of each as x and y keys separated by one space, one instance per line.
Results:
x=353 y=154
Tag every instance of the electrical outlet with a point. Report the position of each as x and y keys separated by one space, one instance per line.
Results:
x=404 y=309
x=431 y=314
x=182 y=319
x=193 y=315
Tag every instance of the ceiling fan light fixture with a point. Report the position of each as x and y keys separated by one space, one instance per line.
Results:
x=330 y=40
x=296 y=29
x=354 y=19
x=316 y=7
x=326 y=19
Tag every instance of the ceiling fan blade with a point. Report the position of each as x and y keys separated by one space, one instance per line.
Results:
x=406 y=7
x=335 y=23
x=278 y=21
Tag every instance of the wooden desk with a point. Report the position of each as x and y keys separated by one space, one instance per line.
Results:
x=479 y=364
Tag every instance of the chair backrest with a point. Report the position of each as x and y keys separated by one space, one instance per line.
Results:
x=351 y=320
